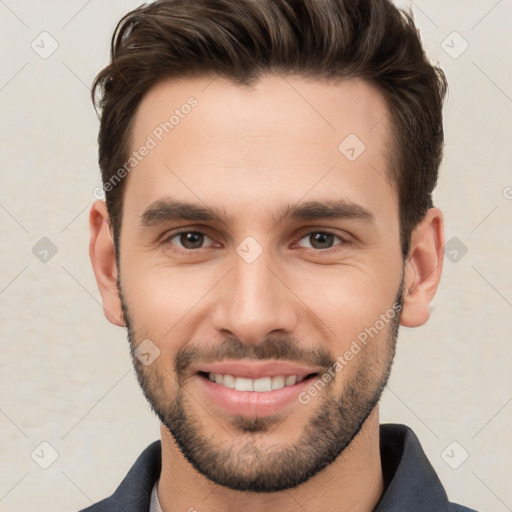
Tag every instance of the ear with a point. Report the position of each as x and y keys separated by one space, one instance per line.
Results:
x=103 y=259
x=423 y=268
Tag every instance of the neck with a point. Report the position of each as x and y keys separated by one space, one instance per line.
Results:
x=353 y=482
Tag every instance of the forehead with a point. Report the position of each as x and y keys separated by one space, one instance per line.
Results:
x=282 y=138
x=277 y=105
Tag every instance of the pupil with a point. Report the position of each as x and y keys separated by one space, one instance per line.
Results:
x=191 y=240
x=319 y=240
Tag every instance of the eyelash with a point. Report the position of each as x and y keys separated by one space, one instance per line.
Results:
x=343 y=241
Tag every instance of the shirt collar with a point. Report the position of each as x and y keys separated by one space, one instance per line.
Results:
x=410 y=480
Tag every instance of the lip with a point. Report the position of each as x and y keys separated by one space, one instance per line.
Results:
x=251 y=403
x=251 y=369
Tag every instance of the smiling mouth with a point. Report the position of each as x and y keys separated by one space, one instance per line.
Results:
x=259 y=385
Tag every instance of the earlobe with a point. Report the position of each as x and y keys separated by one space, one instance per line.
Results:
x=103 y=259
x=423 y=269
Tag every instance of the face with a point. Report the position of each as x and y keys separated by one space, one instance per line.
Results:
x=260 y=267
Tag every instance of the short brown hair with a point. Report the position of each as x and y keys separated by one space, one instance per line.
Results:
x=242 y=39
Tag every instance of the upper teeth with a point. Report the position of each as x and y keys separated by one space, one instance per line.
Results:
x=263 y=384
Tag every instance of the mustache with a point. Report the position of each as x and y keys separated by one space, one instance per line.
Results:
x=271 y=349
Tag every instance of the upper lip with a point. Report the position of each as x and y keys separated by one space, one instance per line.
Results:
x=251 y=369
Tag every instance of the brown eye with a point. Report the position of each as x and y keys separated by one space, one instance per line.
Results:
x=189 y=240
x=320 y=240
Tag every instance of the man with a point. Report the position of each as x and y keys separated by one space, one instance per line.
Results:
x=268 y=168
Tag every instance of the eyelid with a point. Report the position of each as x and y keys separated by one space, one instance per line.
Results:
x=345 y=237
x=205 y=230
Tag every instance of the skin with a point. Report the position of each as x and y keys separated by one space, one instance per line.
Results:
x=250 y=152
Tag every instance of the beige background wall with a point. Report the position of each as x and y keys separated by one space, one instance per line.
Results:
x=66 y=377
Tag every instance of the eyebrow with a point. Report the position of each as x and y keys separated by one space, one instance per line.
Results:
x=169 y=209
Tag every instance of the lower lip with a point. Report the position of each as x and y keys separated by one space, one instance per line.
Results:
x=252 y=403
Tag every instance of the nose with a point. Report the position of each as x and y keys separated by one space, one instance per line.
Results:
x=254 y=302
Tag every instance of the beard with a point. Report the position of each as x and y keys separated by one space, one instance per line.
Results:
x=238 y=463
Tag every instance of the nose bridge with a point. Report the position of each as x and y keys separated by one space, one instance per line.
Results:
x=254 y=286
x=254 y=301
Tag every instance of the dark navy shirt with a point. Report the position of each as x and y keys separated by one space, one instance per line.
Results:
x=411 y=484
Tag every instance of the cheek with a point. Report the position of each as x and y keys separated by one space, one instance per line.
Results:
x=347 y=301
x=362 y=340
x=161 y=299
